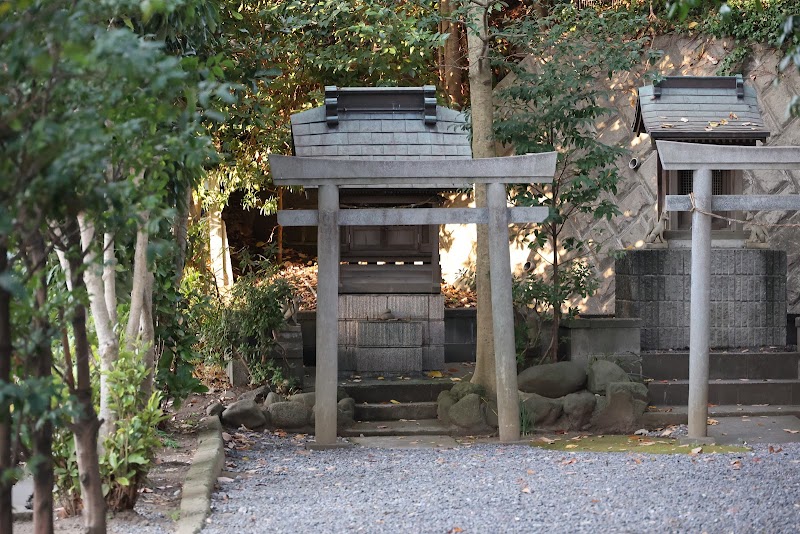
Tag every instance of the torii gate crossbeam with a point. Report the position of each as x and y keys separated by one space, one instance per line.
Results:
x=331 y=174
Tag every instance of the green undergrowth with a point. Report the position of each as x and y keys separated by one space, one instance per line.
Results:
x=639 y=444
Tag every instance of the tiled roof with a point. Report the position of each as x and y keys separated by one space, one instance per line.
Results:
x=699 y=108
x=376 y=133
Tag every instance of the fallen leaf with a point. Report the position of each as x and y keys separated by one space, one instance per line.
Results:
x=748 y=123
x=647 y=443
x=454 y=379
x=773 y=450
x=692 y=25
x=383 y=426
x=224 y=480
x=666 y=433
x=531 y=471
x=571 y=446
x=723 y=121
x=226 y=436
x=736 y=464
x=526 y=489
x=547 y=440
x=394 y=401
x=434 y=374
x=381 y=378
x=640 y=432
x=455 y=530
x=684 y=119
x=697 y=450
x=712 y=422
x=790 y=431
x=713 y=124
x=667 y=125
x=569 y=462
x=732 y=115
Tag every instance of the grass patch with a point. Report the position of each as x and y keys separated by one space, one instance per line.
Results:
x=639 y=444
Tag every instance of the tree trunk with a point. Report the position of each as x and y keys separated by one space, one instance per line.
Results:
x=110 y=277
x=85 y=425
x=219 y=254
x=42 y=437
x=451 y=57
x=553 y=349
x=148 y=336
x=6 y=462
x=99 y=306
x=480 y=88
x=140 y=277
x=181 y=232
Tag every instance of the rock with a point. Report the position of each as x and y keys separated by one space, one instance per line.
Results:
x=345 y=414
x=309 y=399
x=553 y=380
x=215 y=408
x=292 y=415
x=603 y=372
x=490 y=413
x=244 y=412
x=347 y=406
x=540 y=411
x=578 y=409
x=636 y=389
x=462 y=389
x=258 y=394
x=445 y=401
x=273 y=397
x=267 y=415
x=619 y=412
x=467 y=412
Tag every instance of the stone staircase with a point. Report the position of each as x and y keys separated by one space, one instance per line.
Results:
x=396 y=406
x=746 y=378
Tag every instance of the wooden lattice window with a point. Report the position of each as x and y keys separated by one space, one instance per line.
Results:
x=722 y=183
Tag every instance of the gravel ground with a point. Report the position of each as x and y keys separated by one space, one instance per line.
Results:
x=281 y=487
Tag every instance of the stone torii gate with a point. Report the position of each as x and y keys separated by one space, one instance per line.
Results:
x=702 y=159
x=331 y=174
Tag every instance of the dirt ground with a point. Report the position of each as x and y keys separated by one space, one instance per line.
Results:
x=158 y=506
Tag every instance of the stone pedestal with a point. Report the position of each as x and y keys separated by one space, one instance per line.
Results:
x=748 y=297
x=603 y=338
x=411 y=341
x=289 y=351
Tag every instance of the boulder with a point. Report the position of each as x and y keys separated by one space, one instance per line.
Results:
x=272 y=397
x=467 y=412
x=445 y=401
x=602 y=373
x=490 y=413
x=462 y=389
x=619 y=412
x=309 y=399
x=553 y=380
x=540 y=411
x=244 y=412
x=292 y=415
x=347 y=406
x=215 y=408
x=578 y=409
x=258 y=394
x=345 y=414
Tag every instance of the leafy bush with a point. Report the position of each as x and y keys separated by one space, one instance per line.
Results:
x=242 y=324
x=128 y=450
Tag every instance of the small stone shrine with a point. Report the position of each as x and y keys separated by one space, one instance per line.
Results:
x=748 y=284
x=391 y=311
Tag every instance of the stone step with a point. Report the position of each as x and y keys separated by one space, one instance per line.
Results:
x=383 y=391
x=662 y=416
x=395 y=412
x=728 y=365
x=773 y=392
x=425 y=427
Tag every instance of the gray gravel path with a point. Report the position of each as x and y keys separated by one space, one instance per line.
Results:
x=493 y=488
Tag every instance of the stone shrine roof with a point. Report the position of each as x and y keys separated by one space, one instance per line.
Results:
x=719 y=109
x=381 y=123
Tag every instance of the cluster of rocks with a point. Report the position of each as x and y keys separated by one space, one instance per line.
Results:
x=262 y=408
x=563 y=395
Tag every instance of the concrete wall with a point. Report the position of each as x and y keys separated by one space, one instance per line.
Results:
x=637 y=193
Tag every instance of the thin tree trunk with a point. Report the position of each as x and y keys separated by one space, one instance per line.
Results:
x=42 y=437
x=451 y=68
x=148 y=336
x=181 y=232
x=99 y=306
x=140 y=277
x=553 y=352
x=85 y=425
x=6 y=461
x=481 y=106
x=110 y=277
